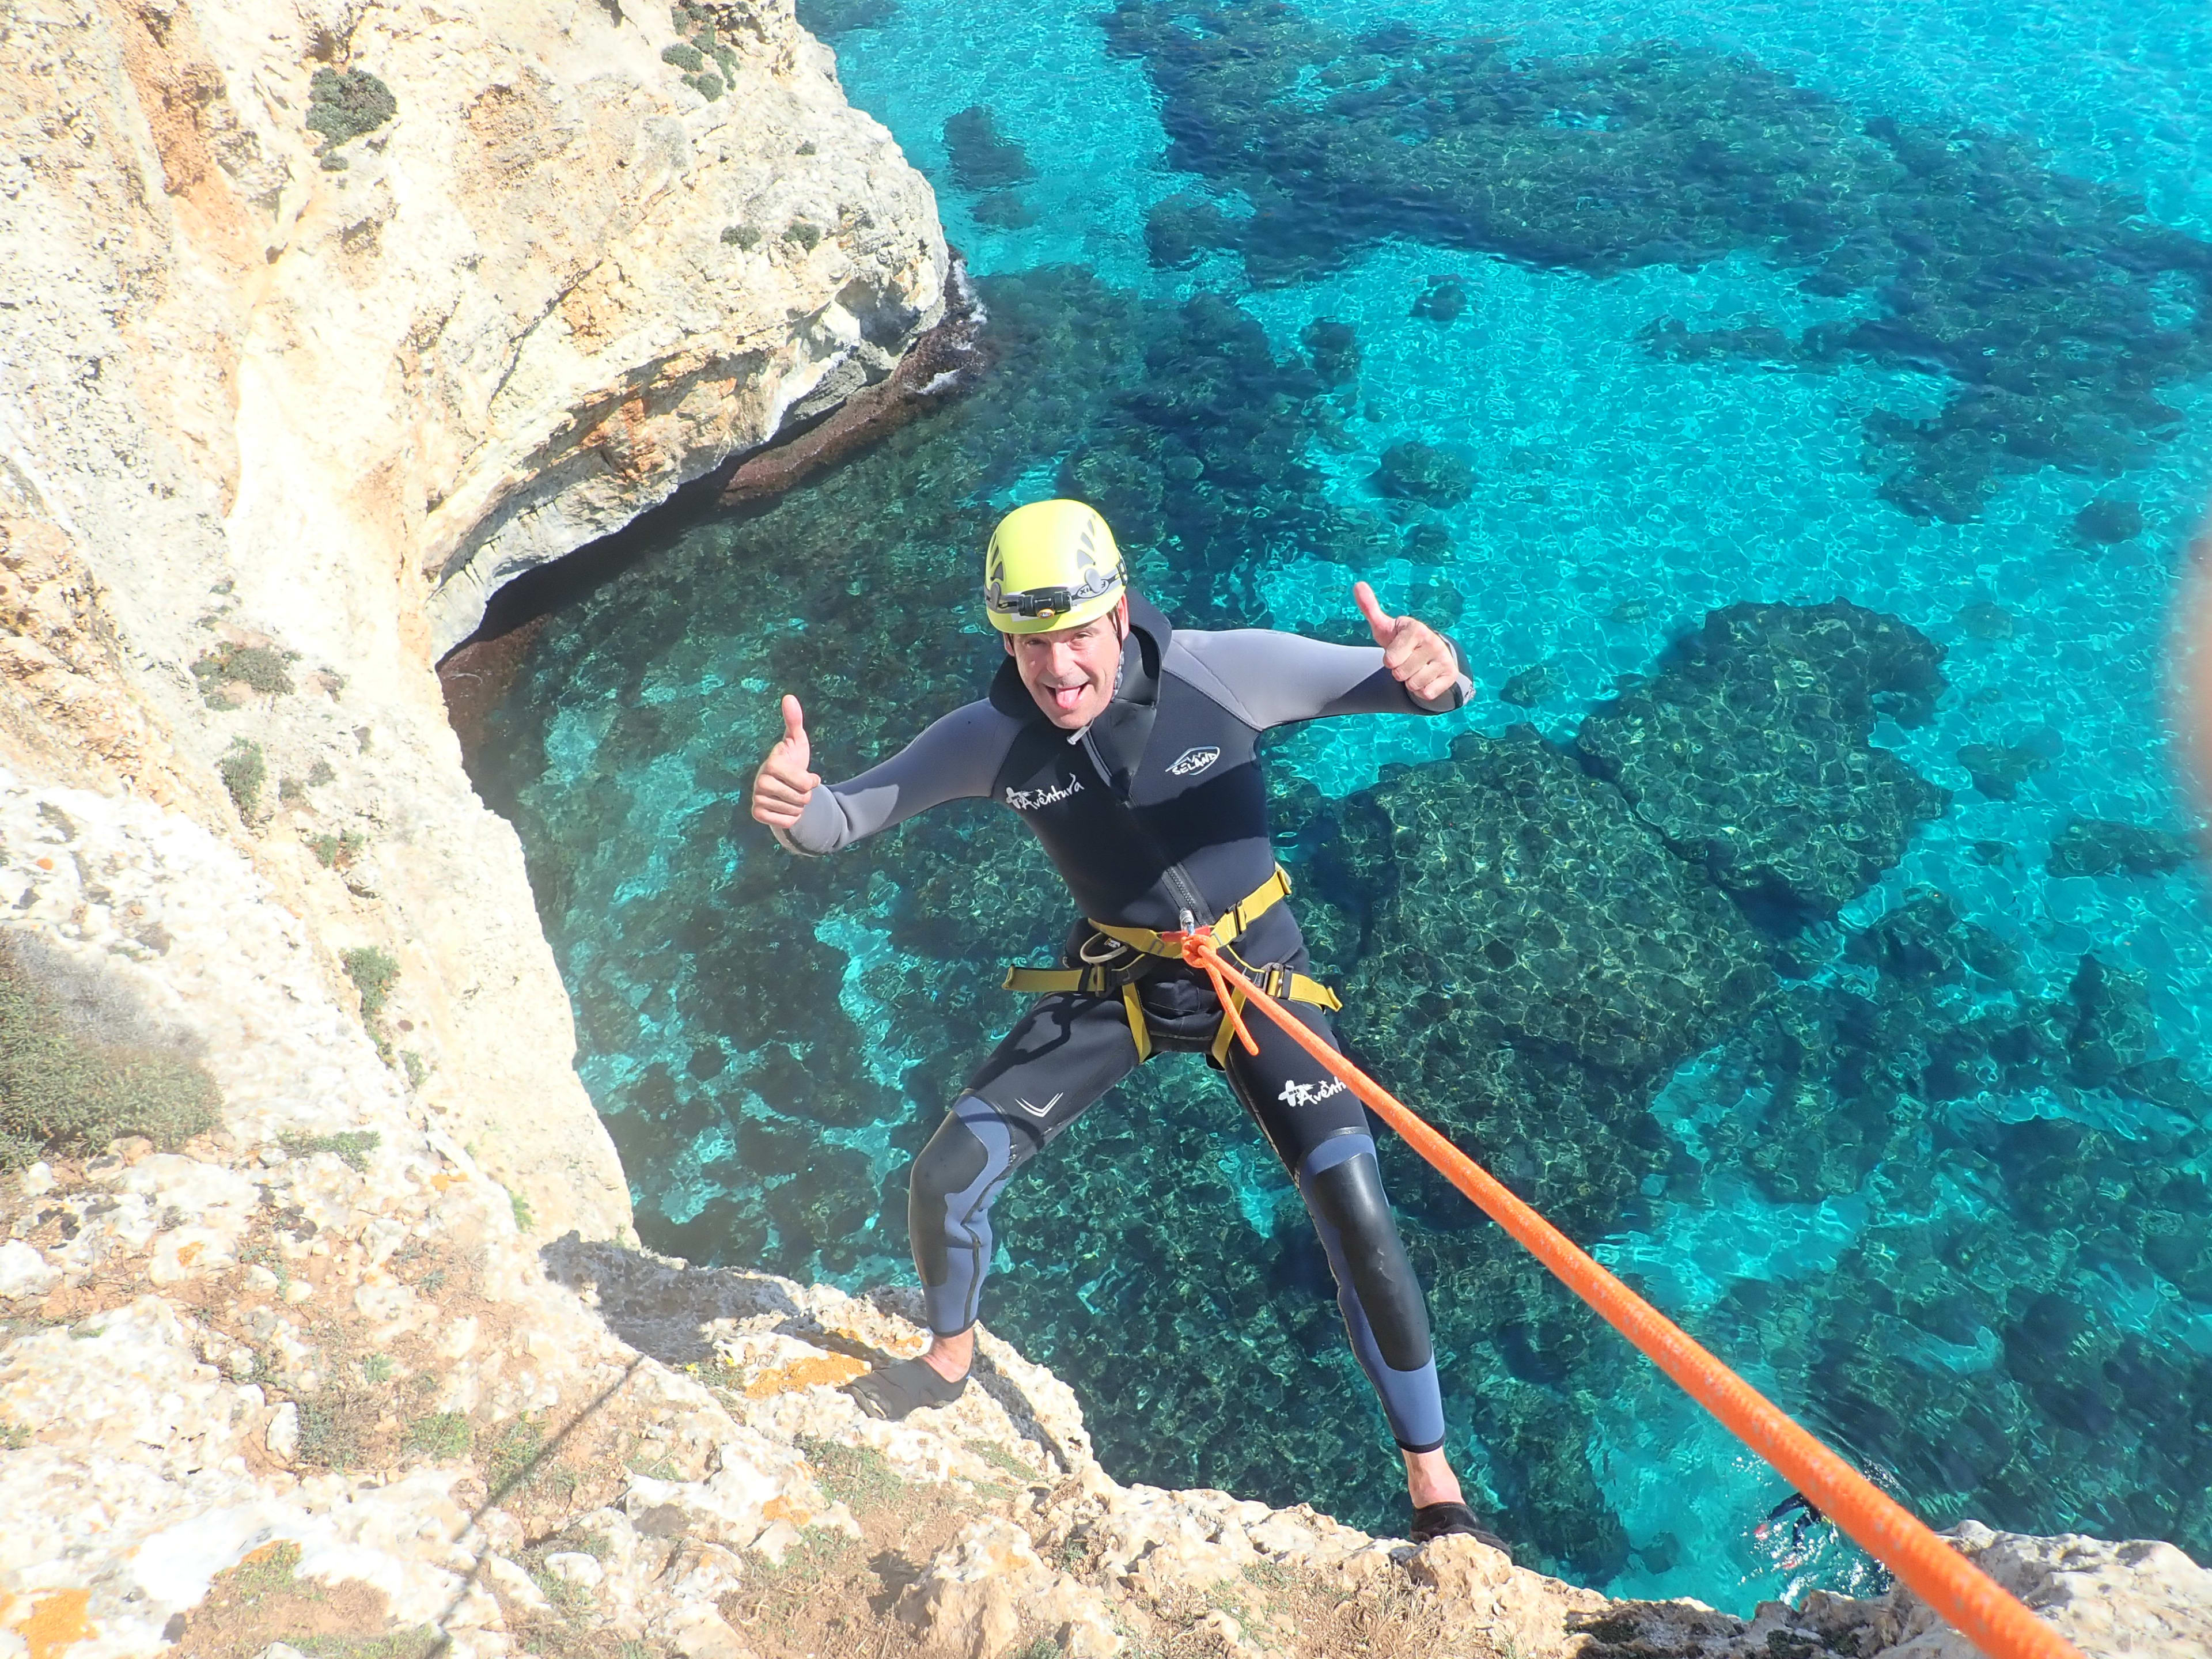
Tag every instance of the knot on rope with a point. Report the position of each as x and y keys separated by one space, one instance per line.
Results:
x=1198 y=950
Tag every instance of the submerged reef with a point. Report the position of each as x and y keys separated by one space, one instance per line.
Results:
x=2053 y=307
x=2030 y=1356
x=1750 y=750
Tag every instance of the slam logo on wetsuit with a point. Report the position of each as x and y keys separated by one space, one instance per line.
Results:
x=1192 y=761
x=1028 y=800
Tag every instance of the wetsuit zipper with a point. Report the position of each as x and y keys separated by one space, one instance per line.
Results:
x=1181 y=890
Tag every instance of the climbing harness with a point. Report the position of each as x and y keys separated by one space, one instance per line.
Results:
x=1118 y=968
x=1959 y=1591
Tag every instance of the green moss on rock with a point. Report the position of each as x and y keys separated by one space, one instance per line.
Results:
x=344 y=104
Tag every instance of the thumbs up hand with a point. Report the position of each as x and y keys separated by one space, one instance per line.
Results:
x=1415 y=652
x=783 y=785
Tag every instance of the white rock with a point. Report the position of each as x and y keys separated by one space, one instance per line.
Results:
x=37 y=1181
x=697 y=1630
x=511 y=1582
x=283 y=1437
x=575 y=1567
x=23 y=1272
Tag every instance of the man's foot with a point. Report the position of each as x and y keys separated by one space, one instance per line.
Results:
x=892 y=1391
x=1433 y=1521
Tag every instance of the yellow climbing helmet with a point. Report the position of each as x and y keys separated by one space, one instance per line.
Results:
x=1050 y=565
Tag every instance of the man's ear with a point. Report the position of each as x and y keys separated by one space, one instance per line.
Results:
x=1121 y=618
x=1007 y=640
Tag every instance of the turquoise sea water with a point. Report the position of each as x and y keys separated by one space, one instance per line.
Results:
x=1944 y=1191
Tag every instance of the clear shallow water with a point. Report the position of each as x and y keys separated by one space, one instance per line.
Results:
x=1989 y=1278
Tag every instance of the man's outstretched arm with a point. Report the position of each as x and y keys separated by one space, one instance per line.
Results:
x=956 y=759
x=1275 y=679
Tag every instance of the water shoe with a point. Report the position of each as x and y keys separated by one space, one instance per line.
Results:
x=892 y=1391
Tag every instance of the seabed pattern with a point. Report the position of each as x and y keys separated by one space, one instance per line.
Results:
x=1799 y=414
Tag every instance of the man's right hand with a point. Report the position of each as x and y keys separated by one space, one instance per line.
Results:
x=783 y=786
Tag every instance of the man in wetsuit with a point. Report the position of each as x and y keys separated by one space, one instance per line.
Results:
x=1128 y=746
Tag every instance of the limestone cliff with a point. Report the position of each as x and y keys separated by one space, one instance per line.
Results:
x=320 y=324
x=323 y=320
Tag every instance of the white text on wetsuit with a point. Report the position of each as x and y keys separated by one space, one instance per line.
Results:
x=1028 y=800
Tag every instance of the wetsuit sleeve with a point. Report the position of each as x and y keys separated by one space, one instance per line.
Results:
x=956 y=759
x=1274 y=679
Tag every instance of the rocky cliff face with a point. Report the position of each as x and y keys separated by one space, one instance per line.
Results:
x=321 y=1330
x=323 y=322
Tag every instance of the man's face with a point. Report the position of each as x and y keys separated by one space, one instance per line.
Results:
x=1070 y=671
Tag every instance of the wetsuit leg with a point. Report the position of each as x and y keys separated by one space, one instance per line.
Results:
x=1064 y=1054
x=1319 y=1129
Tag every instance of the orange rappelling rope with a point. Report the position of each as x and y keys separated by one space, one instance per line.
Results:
x=1962 y=1593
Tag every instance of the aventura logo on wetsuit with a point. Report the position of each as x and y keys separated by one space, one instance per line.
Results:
x=1028 y=800
x=1193 y=761
x=1307 y=1094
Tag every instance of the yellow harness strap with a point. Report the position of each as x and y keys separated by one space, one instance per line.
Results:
x=1284 y=986
x=1248 y=910
x=1095 y=981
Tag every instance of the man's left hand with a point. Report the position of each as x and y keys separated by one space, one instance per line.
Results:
x=1420 y=657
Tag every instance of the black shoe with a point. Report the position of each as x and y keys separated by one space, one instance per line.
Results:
x=893 y=1391
x=1434 y=1521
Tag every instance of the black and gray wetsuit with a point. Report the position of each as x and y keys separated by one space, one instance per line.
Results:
x=1155 y=815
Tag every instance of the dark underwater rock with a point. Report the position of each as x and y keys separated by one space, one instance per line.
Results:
x=981 y=157
x=1671 y=337
x=1004 y=210
x=1529 y=687
x=1526 y=907
x=828 y=19
x=1442 y=301
x=2099 y=846
x=1422 y=472
x=1748 y=750
x=2108 y=520
x=1178 y=228
x=1997 y=771
x=1334 y=348
x=1427 y=542
x=1981 y=619
x=2044 y=298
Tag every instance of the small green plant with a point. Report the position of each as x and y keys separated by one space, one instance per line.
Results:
x=245 y=771
x=859 y=1476
x=415 y=1065
x=342 y=105
x=524 y=1220
x=806 y=148
x=14 y=1436
x=63 y=1090
x=330 y=1428
x=1044 y=1648
x=321 y=774
x=802 y=234
x=338 y=852
x=743 y=236
x=999 y=1458
x=377 y=1368
x=686 y=57
x=511 y=1458
x=265 y=1572
x=420 y=1641
x=373 y=970
x=262 y=668
x=707 y=84
x=442 y=1437
x=350 y=1146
